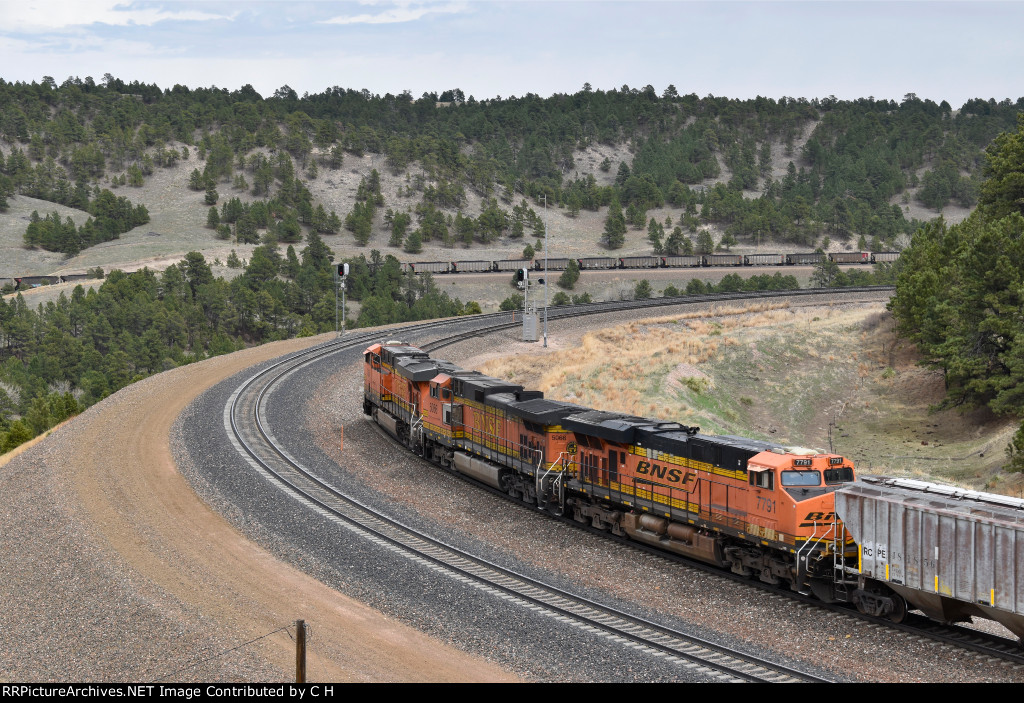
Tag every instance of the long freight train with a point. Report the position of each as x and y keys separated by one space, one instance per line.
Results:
x=650 y=262
x=784 y=515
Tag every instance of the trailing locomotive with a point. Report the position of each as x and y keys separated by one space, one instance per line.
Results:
x=754 y=507
x=751 y=506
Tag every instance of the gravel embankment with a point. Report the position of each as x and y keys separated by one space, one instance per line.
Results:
x=114 y=570
x=844 y=647
x=73 y=610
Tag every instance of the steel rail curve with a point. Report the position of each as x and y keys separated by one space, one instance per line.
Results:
x=274 y=462
x=652 y=637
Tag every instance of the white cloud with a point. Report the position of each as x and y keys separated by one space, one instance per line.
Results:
x=403 y=12
x=49 y=15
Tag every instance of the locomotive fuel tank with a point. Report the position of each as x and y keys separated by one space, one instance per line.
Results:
x=784 y=515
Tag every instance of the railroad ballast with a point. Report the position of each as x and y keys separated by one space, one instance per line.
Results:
x=775 y=513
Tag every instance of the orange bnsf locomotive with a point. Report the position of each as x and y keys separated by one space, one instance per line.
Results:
x=787 y=516
x=747 y=505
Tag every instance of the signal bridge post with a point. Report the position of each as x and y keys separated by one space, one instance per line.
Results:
x=340 y=281
x=529 y=310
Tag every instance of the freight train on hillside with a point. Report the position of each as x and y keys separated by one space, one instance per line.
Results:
x=650 y=262
x=788 y=516
x=28 y=282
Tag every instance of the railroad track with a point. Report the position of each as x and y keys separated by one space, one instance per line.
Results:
x=243 y=415
x=256 y=441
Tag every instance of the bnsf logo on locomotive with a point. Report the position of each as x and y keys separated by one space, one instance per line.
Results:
x=811 y=518
x=666 y=473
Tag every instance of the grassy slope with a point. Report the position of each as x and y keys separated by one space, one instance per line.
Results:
x=795 y=376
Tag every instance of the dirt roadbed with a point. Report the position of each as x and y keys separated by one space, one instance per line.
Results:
x=115 y=570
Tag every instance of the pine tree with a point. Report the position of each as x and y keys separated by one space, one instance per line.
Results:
x=655 y=231
x=614 y=227
x=414 y=244
x=705 y=242
x=569 y=277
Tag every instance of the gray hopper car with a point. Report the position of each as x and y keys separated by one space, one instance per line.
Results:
x=598 y=262
x=882 y=257
x=850 y=257
x=681 y=261
x=950 y=553
x=553 y=264
x=811 y=258
x=723 y=260
x=430 y=266
x=512 y=264
x=26 y=282
x=640 y=262
x=764 y=260
x=471 y=266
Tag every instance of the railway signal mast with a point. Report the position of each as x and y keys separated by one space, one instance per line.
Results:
x=529 y=311
x=545 y=281
x=340 y=279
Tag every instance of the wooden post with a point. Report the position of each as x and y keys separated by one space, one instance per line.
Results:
x=300 y=651
x=341 y=441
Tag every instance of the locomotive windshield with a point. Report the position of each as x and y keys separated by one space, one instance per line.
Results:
x=801 y=478
x=841 y=474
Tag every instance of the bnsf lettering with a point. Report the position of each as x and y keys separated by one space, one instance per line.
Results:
x=667 y=473
x=813 y=518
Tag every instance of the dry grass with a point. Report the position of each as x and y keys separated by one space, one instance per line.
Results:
x=629 y=367
x=806 y=376
x=179 y=214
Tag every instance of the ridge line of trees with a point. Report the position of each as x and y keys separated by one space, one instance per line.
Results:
x=859 y=156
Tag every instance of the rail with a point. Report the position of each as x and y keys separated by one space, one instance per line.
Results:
x=244 y=417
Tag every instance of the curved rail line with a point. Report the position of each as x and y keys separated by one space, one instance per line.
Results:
x=274 y=462
x=248 y=433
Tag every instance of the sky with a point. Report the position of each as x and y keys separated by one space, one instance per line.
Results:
x=951 y=51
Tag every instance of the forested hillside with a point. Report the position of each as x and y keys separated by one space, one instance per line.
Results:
x=269 y=176
x=960 y=293
x=66 y=355
x=476 y=171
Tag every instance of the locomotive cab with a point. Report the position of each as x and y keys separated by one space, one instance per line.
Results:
x=373 y=381
x=438 y=419
x=791 y=494
x=437 y=404
x=800 y=474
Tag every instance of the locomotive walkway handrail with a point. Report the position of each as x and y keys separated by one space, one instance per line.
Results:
x=278 y=466
x=287 y=476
